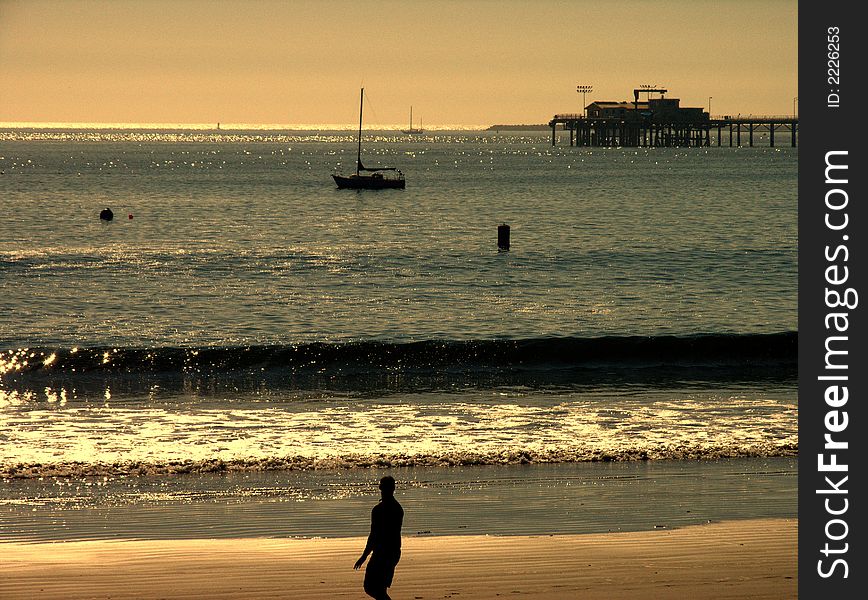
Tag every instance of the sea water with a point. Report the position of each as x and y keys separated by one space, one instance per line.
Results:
x=242 y=325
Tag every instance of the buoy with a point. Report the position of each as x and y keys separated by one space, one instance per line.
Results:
x=106 y=214
x=131 y=215
x=503 y=237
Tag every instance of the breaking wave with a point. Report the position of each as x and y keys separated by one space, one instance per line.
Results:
x=727 y=356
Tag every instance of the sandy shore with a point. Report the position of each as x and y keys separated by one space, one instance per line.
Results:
x=738 y=559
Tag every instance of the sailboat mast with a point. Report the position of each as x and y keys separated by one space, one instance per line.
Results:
x=359 y=154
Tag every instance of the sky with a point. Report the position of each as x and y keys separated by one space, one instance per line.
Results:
x=457 y=62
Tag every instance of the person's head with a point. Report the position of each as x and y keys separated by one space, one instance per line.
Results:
x=387 y=486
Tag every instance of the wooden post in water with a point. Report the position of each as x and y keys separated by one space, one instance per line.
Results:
x=503 y=237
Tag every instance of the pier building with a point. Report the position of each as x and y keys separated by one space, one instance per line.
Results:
x=664 y=122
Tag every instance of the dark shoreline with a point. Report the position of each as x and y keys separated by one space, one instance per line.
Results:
x=534 y=127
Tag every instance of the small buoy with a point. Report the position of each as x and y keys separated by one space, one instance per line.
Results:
x=131 y=215
x=503 y=237
x=106 y=214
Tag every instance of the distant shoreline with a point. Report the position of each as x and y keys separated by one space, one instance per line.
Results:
x=236 y=127
x=221 y=128
x=537 y=127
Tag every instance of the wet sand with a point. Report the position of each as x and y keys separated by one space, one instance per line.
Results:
x=754 y=559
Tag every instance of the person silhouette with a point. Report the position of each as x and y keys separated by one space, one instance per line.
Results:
x=384 y=541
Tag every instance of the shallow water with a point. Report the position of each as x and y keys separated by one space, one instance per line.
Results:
x=495 y=500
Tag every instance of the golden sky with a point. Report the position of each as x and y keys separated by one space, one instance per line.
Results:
x=459 y=62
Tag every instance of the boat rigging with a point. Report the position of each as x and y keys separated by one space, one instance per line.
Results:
x=369 y=178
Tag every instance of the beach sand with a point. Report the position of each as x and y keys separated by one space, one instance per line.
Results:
x=753 y=559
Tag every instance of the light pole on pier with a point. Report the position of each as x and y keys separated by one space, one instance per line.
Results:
x=709 y=107
x=584 y=89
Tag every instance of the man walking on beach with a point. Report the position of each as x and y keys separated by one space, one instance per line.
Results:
x=384 y=541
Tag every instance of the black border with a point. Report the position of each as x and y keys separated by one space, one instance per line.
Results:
x=825 y=127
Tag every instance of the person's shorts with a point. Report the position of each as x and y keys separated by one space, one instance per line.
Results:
x=381 y=570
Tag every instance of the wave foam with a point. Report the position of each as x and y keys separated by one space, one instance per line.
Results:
x=510 y=456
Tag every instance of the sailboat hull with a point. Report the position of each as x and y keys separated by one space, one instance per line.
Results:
x=368 y=182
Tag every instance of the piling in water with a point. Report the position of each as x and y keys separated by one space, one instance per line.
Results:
x=503 y=237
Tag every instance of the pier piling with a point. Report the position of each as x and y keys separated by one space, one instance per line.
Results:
x=503 y=237
x=638 y=131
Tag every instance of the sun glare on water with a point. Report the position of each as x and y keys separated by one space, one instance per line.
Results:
x=397 y=127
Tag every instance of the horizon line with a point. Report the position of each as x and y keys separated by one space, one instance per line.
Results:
x=221 y=126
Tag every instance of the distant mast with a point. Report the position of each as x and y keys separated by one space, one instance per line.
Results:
x=359 y=154
x=410 y=129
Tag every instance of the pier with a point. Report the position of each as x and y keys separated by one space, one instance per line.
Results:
x=643 y=131
x=664 y=122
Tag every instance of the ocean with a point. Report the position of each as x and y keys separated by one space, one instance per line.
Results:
x=245 y=349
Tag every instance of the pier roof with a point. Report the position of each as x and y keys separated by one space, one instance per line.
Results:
x=625 y=105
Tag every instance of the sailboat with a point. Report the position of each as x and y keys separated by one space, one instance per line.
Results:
x=411 y=130
x=365 y=178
